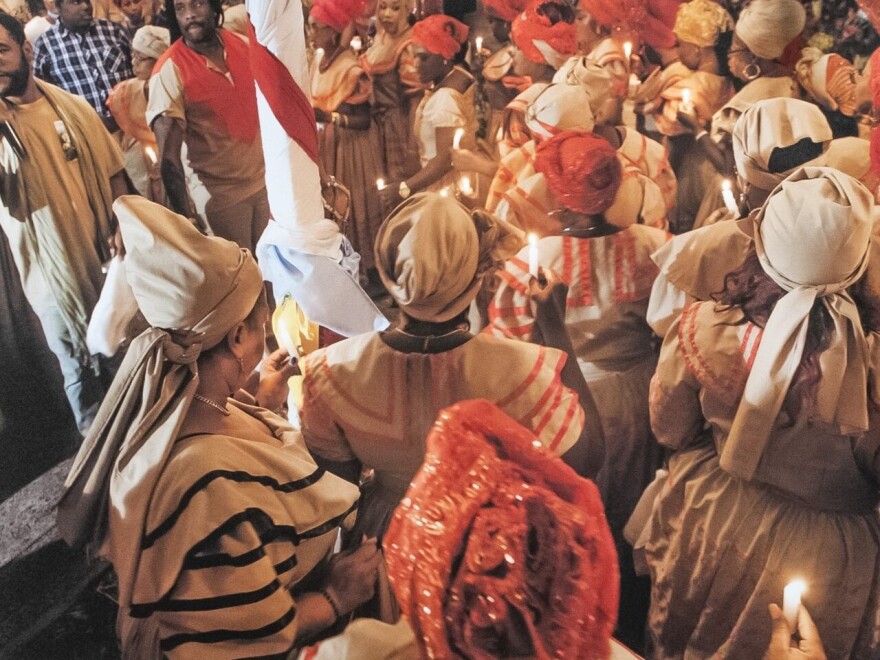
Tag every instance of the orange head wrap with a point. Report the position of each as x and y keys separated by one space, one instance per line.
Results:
x=506 y=10
x=441 y=35
x=650 y=20
x=499 y=549
x=582 y=171
x=543 y=27
x=337 y=13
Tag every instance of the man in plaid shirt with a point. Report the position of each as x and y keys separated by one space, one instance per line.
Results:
x=84 y=55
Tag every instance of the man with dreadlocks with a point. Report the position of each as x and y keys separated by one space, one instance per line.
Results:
x=202 y=94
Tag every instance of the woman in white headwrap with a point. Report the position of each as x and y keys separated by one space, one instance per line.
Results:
x=217 y=520
x=370 y=400
x=771 y=140
x=764 y=50
x=128 y=103
x=764 y=397
x=602 y=250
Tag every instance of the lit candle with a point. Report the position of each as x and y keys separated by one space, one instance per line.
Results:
x=533 y=255
x=456 y=140
x=686 y=100
x=478 y=42
x=627 y=50
x=380 y=183
x=464 y=186
x=319 y=55
x=791 y=602
x=727 y=196
x=356 y=43
x=444 y=192
x=151 y=154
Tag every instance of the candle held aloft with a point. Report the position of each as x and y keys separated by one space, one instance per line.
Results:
x=456 y=139
x=533 y=255
x=727 y=196
x=356 y=43
x=478 y=43
x=380 y=183
x=627 y=50
x=791 y=603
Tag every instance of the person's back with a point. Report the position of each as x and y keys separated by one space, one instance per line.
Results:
x=764 y=399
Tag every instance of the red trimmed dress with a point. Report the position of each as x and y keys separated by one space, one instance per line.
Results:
x=722 y=549
x=367 y=401
x=609 y=279
x=352 y=156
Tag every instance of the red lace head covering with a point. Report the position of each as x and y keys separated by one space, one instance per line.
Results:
x=874 y=83
x=650 y=20
x=550 y=22
x=506 y=10
x=441 y=35
x=337 y=13
x=582 y=171
x=499 y=549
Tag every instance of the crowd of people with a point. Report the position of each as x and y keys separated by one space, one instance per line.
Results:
x=629 y=392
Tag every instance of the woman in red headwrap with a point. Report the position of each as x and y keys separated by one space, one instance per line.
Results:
x=391 y=64
x=448 y=106
x=602 y=253
x=349 y=150
x=500 y=550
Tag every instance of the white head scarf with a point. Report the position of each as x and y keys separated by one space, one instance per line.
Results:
x=766 y=27
x=152 y=41
x=559 y=108
x=771 y=124
x=812 y=238
x=595 y=79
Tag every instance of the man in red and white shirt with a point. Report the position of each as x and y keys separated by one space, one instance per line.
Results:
x=202 y=96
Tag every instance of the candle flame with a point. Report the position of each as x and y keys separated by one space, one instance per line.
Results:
x=356 y=43
x=627 y=49
x=725 y=184
x=686 y=97
x=478 y=42
x=796 y=588
x=151 y=154
x=533 y=240
x=380 y=183
x=456 y=140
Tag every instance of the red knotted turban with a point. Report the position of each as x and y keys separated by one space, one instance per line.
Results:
x=499 y=549
x=548 y=22
x=337 y=13
x=582 y=171
x=440 y=34
x=651 y=20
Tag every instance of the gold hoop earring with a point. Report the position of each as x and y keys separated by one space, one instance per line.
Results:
x=752 y=71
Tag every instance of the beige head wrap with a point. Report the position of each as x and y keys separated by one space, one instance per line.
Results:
x=152 y=41
x=771 y=124
x=193 y=290
x=852 y=155
x=701 y=22
x=559 y=108
x=829 y=79
x=595 y=79
x=639 y=200
x=432 y=255
x=766 y=27
x=812 y=237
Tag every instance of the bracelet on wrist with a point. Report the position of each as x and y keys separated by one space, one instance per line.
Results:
x=337 y=612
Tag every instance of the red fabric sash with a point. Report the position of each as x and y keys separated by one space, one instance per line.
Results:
x=288 y=102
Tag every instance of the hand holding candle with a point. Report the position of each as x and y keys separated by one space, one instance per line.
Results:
x=533 y=255
x=791 y=602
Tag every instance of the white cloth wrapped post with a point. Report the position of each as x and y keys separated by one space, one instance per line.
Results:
x=301 y=252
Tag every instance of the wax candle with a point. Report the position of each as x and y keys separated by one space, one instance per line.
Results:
x=151 y=154
x=533 y=255
x=319 y=55
x=464 y=186
x=478 y=42
x=456 y=139
x=791 y=602
x=727 y=196
x=380 y=183
x=627 y=50
x=356 y=43
x=686 y=100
